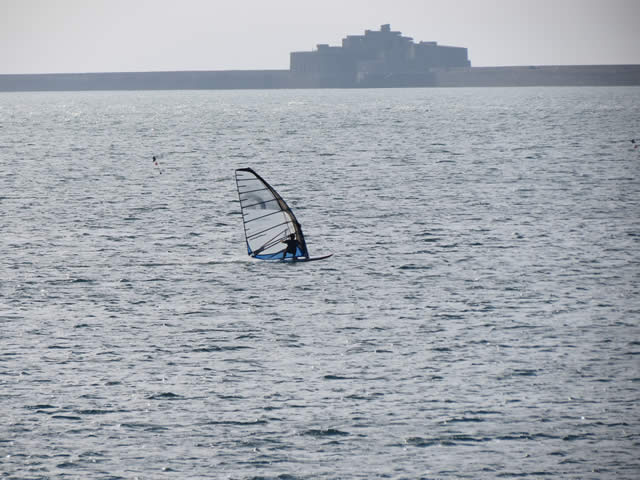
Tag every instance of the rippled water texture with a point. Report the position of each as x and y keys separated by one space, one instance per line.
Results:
x=480 y=317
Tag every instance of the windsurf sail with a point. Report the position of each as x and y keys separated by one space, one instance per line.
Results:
x=268 y=220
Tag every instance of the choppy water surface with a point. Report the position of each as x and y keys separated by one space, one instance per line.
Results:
x=480 y=317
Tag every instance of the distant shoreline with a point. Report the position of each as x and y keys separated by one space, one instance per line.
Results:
x=558 y=75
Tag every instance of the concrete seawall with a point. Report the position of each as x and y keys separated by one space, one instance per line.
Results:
x=186 y=80
x=580 y=75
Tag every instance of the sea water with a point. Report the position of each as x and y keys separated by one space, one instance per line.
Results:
x=480 y=317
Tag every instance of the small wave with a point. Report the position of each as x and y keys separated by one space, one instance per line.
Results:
x=573 y=438
x=421 y=442
x=96 y=412
x=66 y=417
x=43 y=406
x=336 y=377
x=527 y=436
x=147 y=427
x=412 y=266
x=165 y=396
x=329 y=432
x=464 y=420
x=525 y=373
x=236 y=422
x=215 y=348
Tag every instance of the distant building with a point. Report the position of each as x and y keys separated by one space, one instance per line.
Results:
x=376 y=54
x=376 y=59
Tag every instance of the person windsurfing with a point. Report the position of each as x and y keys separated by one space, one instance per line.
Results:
x=292 y=246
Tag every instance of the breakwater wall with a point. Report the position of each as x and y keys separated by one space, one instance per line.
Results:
x=562 y=75
x=185 y=80
x=579 y=75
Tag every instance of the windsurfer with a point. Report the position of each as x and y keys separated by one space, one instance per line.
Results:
x=292 y=246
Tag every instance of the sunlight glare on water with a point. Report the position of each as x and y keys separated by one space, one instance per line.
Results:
x=479 y=317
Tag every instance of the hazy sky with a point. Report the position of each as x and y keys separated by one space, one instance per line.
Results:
x=41 y=36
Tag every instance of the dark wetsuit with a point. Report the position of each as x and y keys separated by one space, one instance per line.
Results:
x=292 y=247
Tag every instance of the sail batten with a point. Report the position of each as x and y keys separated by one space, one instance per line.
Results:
x=257 y=190
x=261 y=203
x=260 y=218
x=257 y=234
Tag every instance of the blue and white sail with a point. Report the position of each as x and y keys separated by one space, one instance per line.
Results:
x=268 y=220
